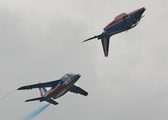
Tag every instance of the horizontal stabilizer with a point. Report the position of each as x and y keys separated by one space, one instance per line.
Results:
x=52 y=101
x=41 y=99
x=34 y=99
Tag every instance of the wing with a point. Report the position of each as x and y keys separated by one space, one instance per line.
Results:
x=104 y=34
x=79 y=90
x=91 y=38
x=105 y=43
x=39 y=85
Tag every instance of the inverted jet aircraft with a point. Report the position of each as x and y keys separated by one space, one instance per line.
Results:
x=58 y=88
x=122 y=22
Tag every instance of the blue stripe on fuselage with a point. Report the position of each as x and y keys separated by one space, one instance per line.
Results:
x=121 y=25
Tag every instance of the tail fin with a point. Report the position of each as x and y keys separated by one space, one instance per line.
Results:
x=105 y=44
x=42 y=90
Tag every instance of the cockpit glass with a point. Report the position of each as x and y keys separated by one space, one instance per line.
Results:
x=120 y=15
x=67 y=75
x=70 y=74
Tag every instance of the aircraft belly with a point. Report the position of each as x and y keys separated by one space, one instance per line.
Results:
x=61 y=93
x=65 y=89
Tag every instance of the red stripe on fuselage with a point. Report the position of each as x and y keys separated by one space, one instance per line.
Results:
x=137 y=10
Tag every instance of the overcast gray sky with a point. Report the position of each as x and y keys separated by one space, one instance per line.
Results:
x=42 y=40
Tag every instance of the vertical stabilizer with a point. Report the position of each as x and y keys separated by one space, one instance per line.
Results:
x=42 y=90
x=105 y=44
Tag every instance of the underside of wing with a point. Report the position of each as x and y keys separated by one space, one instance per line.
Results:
x=39 y=85
x=105 y=43
x=79 y=90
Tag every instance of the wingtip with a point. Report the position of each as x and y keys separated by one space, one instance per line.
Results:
x=23 y=88
x=56 y=104
x=19 y=89
x=84 y=41
x=90 y=38
x=86 y=94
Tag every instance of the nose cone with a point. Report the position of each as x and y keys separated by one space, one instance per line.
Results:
x=142 y=10
x=75 y=77
x=78 y=76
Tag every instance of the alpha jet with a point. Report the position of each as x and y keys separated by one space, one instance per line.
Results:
x=58 y=88
x=122 y=22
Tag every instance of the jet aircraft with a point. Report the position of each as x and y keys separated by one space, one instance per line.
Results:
x=58 y=88
x=122 y=22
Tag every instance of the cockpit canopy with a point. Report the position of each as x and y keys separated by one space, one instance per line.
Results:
x=120 y=15
x=116 y=19
x=67 y=75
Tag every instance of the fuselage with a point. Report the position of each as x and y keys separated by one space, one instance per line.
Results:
x=62 y=87
x=123 y=22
